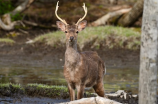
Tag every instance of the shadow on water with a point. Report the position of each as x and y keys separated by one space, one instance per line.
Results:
x=115 y=79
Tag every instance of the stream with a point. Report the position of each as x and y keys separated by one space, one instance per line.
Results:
x=115 y=78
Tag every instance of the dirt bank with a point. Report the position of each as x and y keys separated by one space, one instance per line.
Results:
x=42 y=55
x=45 y=56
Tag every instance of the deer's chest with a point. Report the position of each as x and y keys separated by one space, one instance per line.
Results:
x=71 y=74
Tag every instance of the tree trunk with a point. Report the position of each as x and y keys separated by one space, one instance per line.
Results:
x=149 y=54
x=130 y=18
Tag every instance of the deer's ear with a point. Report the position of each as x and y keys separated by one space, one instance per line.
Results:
x=82 y=25
x=61 y=25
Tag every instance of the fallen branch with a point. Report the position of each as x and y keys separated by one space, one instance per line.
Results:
x=9 y=26
x=105 y=18
x=118 y=7
x=92 y=100
x=133 y=15
x=33 y=24
x=21 y=7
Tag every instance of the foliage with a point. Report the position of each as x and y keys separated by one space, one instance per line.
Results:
x=17 y=16
x=7 y=6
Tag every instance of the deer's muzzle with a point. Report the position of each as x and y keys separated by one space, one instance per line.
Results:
x=71 y=38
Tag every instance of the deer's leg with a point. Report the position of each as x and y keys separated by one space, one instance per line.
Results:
x=99 y=88
x=80 y=90
x=71 y=92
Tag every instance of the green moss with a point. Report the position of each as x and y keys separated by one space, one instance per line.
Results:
x=108 y=36
x=6 y=40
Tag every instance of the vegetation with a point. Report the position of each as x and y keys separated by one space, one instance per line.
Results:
x=97 y=37
x=53 y=91
x=10 y=89
x=6 y=40
x=6 y=7
x=47 y=91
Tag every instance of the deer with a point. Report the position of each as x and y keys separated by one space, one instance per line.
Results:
x=81 y=69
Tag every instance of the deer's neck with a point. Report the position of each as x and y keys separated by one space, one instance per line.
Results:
x=72 y=56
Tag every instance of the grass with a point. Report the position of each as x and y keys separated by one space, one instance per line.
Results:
x=47 y=91
x=6 y=40
x=54 y=39
x=9 y=89
x=53 y=91
x=96 y=37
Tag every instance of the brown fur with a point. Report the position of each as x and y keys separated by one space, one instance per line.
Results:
x=85 y=69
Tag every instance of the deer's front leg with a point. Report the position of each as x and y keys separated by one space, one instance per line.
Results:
x=71 y=92
x=80 y=90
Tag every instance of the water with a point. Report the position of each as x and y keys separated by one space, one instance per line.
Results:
x=115 y=79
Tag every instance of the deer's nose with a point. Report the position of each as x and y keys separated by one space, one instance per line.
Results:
x=71 y=38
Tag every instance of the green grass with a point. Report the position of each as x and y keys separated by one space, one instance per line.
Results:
x=54 y=39
x=95 y=37
x=8 y=85
x=51 y=91
x=47 y=91
x=9 y=89
x=6 y=40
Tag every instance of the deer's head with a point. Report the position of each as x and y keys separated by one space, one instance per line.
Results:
x=71 y=31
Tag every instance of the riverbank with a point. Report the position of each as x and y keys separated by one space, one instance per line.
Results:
x=118 y=47
x=39 y=93
x=35 y=52
x=34 y=93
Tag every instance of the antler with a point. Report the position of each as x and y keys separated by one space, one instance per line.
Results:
x=85 y=10
x=58 y=16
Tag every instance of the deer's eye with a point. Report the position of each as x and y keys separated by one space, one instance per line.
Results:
x=65 y=31
x=77 y=32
